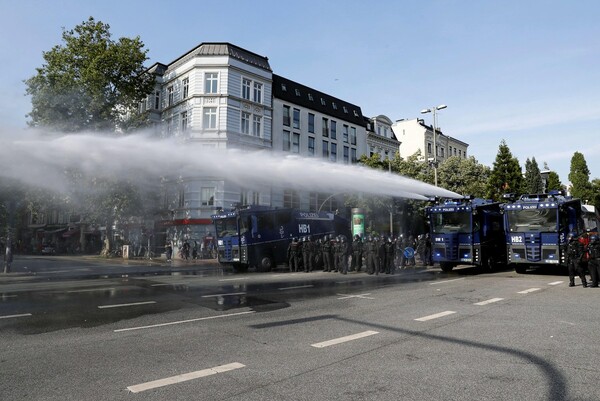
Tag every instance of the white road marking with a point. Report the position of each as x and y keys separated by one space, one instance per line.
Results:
x=344 y=339
x=556 y=283
x=91 y=290
x=184 y=377
x=181 y=322
x=234 y=279
x=446 y=281
x=435 y=316
x=348 y=282
x=489 y=301
x=130 y=304
x=8 y=296
x=296 y=287
x=11 y=316
x=223 y=295
x=347 y=296
x=529 y=290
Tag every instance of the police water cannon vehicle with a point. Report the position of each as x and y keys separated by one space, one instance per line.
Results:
x=466 y=231
x=537 y=226
x=259 y=236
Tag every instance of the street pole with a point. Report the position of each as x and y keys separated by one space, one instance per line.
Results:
x=435 y=152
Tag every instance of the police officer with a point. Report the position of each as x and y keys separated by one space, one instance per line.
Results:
x=337 y=254
x=389 y=252
x=308 y=254
x=594 y=261
x=326 y=252
x=575 y=251
x=357 y=253
x=292 y=255
x=344 y=249
x=372 y=256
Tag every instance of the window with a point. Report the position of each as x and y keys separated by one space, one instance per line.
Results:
x=311 y=146
x=245 y=127
x=297 y=118
x=449 y=151
x=283 y=88
x=345 y=109
x=346 y=154
x=345 y=133
x=459 y=153
x=170 y=95
x=296 y=143
x=454 y=151
x=210 y=82
x=258 y=92
x=207 y=196
x=291 y=199
x=442 y=152
x=246 y=88
x=325 y=127
x=334 y=105
x=297 y=92
x=311 y=123
x=184 y=121
x=181 y=198
x=186 y=87
x=256 y=125
x=286 y=141
x=157 y=100
x=429 y=148
x=169 y=124
x=286 y=116
x=325 y=150
x=333 y=129
x=323 y=102
x=333 y=154
x=352 y=135
x=210 y=118
x=353 y=155
x=310 y=97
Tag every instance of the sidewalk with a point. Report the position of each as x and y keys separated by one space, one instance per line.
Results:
x=41 y=267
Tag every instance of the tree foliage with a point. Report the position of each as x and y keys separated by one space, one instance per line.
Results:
x=506 y=175
x=554 y=183
x=579 y=176
x=91 y=82
x=533 y=177
x=464 y=176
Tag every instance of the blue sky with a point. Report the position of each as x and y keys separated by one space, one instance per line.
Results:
x=523 y=71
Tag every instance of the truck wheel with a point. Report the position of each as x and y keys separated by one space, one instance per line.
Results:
x=446 y=267
x=266 y=264
x=520 y=269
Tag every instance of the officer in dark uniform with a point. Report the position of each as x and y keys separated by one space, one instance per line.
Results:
x=326 y=254
x=594 y=261
x=308 y=254
x=371 y=255
x=292 y=255
x=345 y=250
x=575 y=252
x=337 y=254
x=390 y=253
x=357 y=253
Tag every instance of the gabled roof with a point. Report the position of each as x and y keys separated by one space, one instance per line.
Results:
x=295 y=93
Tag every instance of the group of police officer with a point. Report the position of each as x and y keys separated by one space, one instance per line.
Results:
x=378 y=255
x=583 y=250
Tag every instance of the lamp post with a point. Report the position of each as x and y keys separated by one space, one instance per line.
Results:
x=433 y=111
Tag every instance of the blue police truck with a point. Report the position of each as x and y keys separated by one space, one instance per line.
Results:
x=466 y=232
x=537 y=226
x=259 y=236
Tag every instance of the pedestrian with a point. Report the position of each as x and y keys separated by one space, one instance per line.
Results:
x=594 y=259
x=168 y=251
x=575 y=252
x=357 y=254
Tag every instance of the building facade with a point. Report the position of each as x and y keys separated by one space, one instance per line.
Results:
x=381 y=139
x=416 y=136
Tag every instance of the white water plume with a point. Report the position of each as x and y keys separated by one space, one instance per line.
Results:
x=40 y=160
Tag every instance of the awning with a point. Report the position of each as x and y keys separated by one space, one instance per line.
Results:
x=55 y=231
x=70 y=233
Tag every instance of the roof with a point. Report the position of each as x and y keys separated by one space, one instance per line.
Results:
x=295 y=93
x=224 y=49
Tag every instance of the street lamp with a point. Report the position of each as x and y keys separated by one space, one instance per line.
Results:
x=433 y=110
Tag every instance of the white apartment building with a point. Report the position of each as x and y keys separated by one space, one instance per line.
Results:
x=415 y=135
x=381 y=138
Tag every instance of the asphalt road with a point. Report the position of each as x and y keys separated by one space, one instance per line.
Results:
x=196 y=332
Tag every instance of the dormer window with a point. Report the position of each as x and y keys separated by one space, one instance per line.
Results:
x=323 y=102
x=355 y=113
x=345 y=110
x=334 y=105
x=283 y=88
x=297 y=92
x=310 y=97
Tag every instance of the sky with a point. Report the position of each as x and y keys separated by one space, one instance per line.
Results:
x=525 y=71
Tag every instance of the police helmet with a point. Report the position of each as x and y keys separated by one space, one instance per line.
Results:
x=295 y=239
x=571 y=236
x=369 y=238
x=331 y=236
x=593 y=238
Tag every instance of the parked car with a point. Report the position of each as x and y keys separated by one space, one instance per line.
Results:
x=48 y=250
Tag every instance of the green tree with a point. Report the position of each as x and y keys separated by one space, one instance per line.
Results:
x=579 y=176
x=90 y=82
x=464 y=176
x=533 y=177
x=554 y=183
x=506 y=175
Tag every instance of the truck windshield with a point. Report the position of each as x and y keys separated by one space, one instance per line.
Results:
x=226 y=227
x=533 y=220
x=451 y=222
